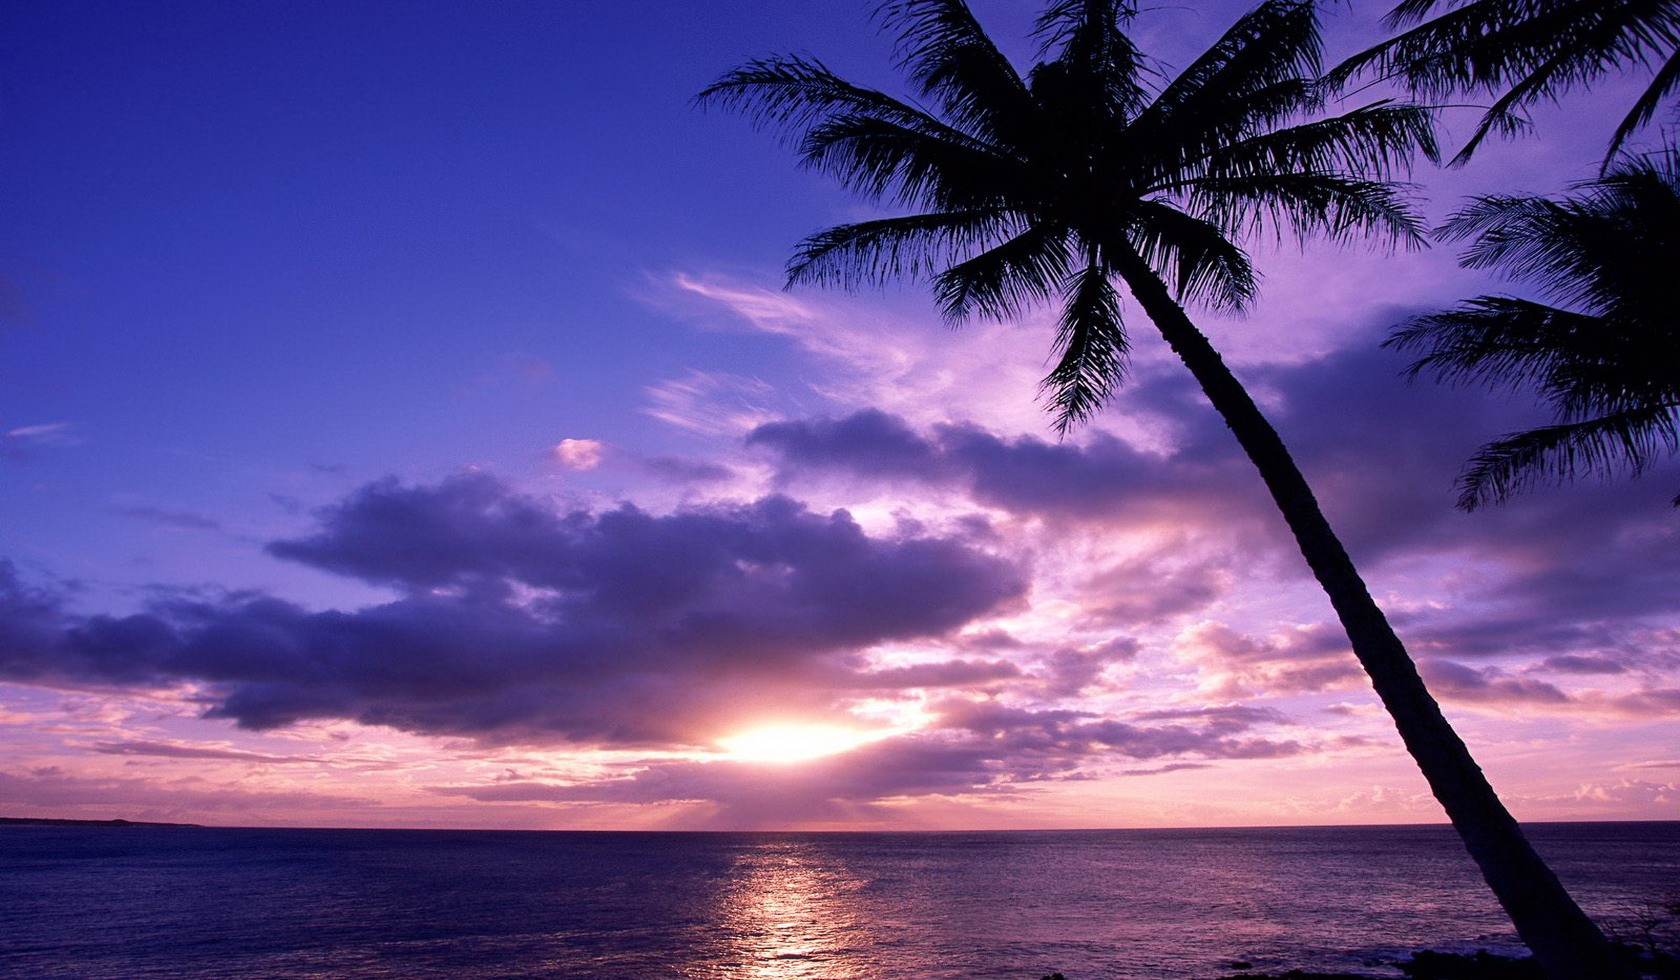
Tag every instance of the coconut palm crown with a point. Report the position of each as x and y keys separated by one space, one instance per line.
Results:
x=1607 y=360
x=1524 y=53
x=1092 y=174
x=1047 y=186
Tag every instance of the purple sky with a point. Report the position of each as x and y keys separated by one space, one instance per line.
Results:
x=401 y=423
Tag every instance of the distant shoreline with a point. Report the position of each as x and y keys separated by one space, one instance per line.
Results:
x=830 y=832
x=57 y=822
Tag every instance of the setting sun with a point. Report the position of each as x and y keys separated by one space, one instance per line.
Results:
x=793 y=743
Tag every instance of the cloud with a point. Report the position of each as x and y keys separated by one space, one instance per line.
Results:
x=179 y=520
x=676 y=469
x=26 y=441
x=1647 y=703
x=1588 y=571
x=1290 y=660
x=51 y=790
x=1574 y=664
x=1101 y=479
x=1629 y=791
x=579 y=454
x=1069 y=672
x=869 y=356
x=948 y=673
x=974 y=747
x=178 y=750
x=715 y=403
x=766 y=310
x=1058 y=740
x=1487 y=685
x=517 y=622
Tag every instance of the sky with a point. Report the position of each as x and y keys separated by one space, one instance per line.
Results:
x=403 y=424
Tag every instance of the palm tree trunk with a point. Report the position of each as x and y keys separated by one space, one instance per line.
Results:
x=1566 y=943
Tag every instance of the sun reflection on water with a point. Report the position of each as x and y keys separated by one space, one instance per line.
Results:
x=790 y=917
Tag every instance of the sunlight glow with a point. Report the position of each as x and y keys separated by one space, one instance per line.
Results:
x=793 y=743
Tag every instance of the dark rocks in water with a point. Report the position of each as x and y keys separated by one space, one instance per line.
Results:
x=1483 y=965
x=1430 y=965
x=1298 y=975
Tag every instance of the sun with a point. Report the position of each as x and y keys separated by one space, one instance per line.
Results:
x=793 y=743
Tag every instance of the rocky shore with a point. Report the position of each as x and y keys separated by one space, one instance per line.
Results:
x=1482 y=965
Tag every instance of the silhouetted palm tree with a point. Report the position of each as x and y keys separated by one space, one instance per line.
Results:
x=1065 y=183
x=1607 y=360
x=1527 y=52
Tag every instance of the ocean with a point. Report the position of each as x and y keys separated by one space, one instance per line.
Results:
x=187 y=903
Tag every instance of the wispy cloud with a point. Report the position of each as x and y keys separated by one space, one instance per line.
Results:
x=25 y=441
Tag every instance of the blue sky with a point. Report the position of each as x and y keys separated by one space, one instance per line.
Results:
x=459 y=322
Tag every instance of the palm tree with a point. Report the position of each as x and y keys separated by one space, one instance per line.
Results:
x=1604 y=359
x=1524 y=53
x=1077 y=178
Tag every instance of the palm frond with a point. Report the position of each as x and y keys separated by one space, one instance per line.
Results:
x=874 y=252
x=794 y=93
x=1628 y=441
x=1491 y=340
x=1525 y=53
x=1002 y=281
x=1339 y=207
x=1092 y=344
x=944 y=50
x=916 y=167
x=1608 y=243
x=1410 y=12
x=1546 y=56
x=1088 y=38
x=1328 y=175
x=1275 y=42
x=1376 y=140
x=1194 y=256
x=1172 y=145
x=1605 y=364
x=1663 y=88
x=1255 y=78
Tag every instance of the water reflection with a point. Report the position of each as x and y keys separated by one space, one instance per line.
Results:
x=792 y=912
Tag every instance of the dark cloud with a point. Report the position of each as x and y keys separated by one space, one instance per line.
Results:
x=1101 y=478
x=1487 y=685
x=1572 y=664
x=1057 y=740
x=177 y=519
x=174 y=750
x=1070 y=671
x=1382 y=456
x=676 y=469
x=521 y=623
x=869 y=443
x=1163 y=770
x=1226 y=718
x=1488 y=636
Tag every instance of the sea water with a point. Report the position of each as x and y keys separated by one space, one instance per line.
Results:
x=125 y=903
